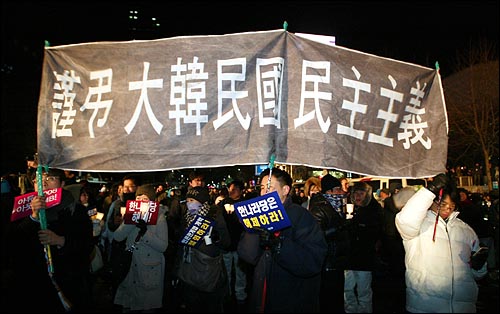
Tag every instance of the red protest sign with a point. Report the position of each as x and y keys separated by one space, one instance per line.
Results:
x=148 y=211
x=22 y=203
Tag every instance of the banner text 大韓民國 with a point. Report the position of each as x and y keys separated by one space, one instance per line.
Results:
x=209 y=101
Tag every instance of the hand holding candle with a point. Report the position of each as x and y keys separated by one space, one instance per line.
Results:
x=350 y=210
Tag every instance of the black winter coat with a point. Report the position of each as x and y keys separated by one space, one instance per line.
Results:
x=336 y=229
x=234 y=226
x=32 y=290
x=366 y=231
x=293 y=272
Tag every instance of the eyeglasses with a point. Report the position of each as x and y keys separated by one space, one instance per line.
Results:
x=47 y=179
x=445 y=205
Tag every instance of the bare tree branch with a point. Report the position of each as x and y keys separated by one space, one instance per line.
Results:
x=472 y=100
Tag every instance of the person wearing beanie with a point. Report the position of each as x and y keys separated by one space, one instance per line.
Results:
x=142 y=289
x=395 y=187
x=198 y=193
x=328 y=183
x=148 y=190
x=217 y=240
x=327 y=208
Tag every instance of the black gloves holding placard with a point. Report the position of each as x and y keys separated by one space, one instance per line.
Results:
x=268 y=239
x=439 y=182
x=143 y=227
x=478 y=258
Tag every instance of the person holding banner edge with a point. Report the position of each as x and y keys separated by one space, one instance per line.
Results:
x=288 y=263
x=443 y=254
x=69 y=235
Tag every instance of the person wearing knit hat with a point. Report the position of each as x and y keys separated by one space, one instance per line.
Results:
x=142 y=289
x=202 y=296
x=329 y=182
x=395 y=187
x=327 y=208
x=198 y=193
x=196 y=202
x=148 y=190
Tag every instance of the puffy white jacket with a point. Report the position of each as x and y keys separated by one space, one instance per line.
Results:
x=439 y=278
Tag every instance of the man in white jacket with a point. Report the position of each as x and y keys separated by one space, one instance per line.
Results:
x=441 y=269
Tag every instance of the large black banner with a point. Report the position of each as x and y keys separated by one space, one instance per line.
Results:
x=208 y=101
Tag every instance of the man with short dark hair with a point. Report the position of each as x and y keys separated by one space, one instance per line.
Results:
x=196 y=178
x=287 y=263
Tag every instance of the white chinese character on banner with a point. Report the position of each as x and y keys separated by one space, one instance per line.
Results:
x=144 y=100
x=314 y=94
x=226 y=78
x=354 y=106
x=388 y=115
x=412 y=124
x=269 y=75
x=193 y=93
x=104 y=78
x=62 y=121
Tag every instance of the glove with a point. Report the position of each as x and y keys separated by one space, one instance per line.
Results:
x=143 y=227
x=478 y=258
x=267 y=240
x=438 y=182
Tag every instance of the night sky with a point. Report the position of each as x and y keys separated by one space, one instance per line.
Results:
x=420 y=32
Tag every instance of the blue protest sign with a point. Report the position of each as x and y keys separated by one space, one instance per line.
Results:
x=265 y=212
x=197 y=230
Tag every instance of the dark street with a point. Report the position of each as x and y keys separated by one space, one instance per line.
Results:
x=385 y=300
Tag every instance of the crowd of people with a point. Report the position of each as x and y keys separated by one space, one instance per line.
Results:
x=432 y=243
